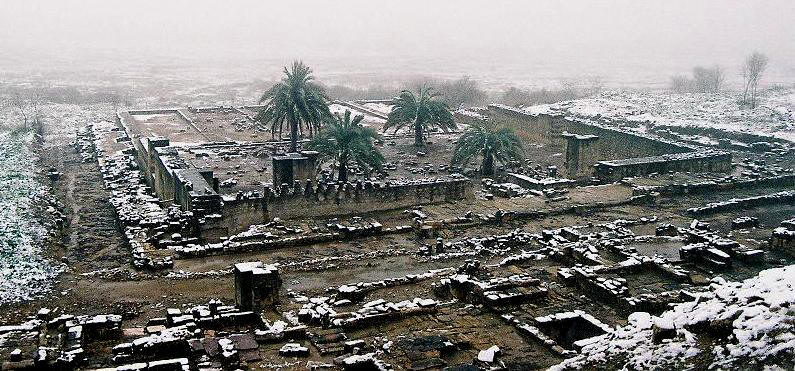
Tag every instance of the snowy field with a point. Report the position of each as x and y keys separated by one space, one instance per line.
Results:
x=24 y=272
x=775 y=115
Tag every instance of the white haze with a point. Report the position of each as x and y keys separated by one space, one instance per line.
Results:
x=527 y=43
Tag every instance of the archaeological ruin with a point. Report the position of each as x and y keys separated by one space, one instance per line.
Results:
x=420 y=265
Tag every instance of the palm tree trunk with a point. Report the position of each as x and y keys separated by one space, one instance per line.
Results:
x=293 y=137
x=487 y=168
x=418 y=141
x=343 y=170
x=343 y=173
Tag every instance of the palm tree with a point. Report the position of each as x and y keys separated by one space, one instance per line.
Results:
x=491 y=142
x=421 y=113
x=296 y=101
x=346 y=141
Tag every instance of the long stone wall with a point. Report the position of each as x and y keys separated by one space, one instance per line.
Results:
x=170 y=179
x=325 y=200
x=702 y=161
x=361 y=197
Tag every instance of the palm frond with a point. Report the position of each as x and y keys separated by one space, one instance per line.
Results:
x=295 y=101
x=344 y=141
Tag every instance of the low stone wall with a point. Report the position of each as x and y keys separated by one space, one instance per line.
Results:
x=361 y=108
x=703 y=161
x=779 y=198
x=715 y=186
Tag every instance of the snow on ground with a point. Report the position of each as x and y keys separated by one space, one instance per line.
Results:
x=152 y=117
x=756 y=318
x=775 y=115
x=24 y=272
x=379 y=107
x=340 y=109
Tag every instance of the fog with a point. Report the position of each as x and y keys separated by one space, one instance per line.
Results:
x=497 y=42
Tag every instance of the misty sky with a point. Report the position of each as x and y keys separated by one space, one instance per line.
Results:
x=598 y=36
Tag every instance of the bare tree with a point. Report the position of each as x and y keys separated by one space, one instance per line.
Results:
x=27 y=105
x=718 y=78
x=22 y=105
x=595 y=85
x=457 y=93
x=569 y=88
x=681 y=84
x=705 y=80
x=708 y=80
x=753 y=68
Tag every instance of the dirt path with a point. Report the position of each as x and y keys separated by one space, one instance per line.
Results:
x=93 y=240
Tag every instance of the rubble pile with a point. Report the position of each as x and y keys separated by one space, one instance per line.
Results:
x=198 y=336
x=752 y=319
x=519 y=288
x=50 y=341
x=356 y=292
x=715 y=251
x=256 y=238
x=319 y=311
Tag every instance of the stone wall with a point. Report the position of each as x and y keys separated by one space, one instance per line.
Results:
x=702 y=161
x=361 y=197
x=172 y=181
x=617 y=153
x=613 y=144
x=325 y=200
x=235 y=215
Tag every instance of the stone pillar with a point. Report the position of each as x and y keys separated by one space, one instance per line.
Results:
x=256 y=285
x=581 y=154
x=294 y=166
